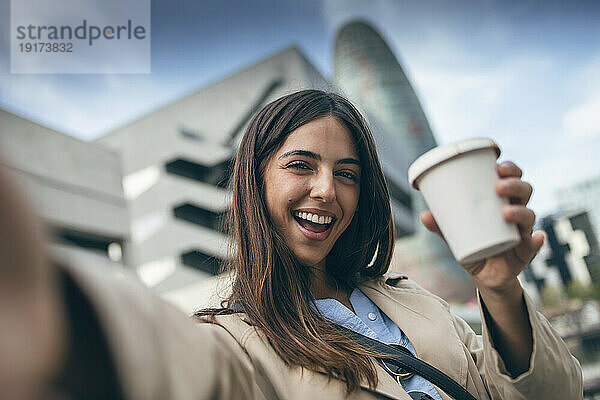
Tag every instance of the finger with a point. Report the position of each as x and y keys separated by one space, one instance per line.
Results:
x=509 y=168
x=518 y=191
x=538 y=237
x=520 y=215
x=430 y=223
x=529 y=247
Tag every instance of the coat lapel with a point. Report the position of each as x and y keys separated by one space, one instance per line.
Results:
x=426 y=322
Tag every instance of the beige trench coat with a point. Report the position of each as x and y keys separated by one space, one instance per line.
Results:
x=161 y=354
x=441 y=339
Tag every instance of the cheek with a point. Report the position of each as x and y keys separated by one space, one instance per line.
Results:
x=290 y=188
x=273 y=206
x=280 y=196
x=352 y=207
x=349 y=200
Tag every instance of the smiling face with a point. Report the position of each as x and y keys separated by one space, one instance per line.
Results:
x=312 y=188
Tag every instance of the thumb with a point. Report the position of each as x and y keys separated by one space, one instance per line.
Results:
x=538 y=238
x=529 y=247
x=430 y=223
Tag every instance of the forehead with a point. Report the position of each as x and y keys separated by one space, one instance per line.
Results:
x=325 y=135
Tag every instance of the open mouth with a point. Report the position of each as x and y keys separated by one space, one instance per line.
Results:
x=313 y=222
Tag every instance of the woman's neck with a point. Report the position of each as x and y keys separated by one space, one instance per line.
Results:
x=321 y=288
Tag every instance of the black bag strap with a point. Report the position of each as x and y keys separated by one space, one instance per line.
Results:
x=413 y=364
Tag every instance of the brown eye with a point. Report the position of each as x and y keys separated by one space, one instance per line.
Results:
x=299 y=165
x=348 y=175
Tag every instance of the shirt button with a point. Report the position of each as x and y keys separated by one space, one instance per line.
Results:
x=372 y=316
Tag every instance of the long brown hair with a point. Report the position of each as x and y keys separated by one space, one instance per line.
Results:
x=270 y=284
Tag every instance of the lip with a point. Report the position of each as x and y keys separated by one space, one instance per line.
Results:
x=314 y=235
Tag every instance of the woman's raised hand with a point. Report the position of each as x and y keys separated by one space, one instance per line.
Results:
x=496 y=277
x=499 y=273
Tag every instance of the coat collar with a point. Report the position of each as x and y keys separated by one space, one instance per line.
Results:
x=426 y=321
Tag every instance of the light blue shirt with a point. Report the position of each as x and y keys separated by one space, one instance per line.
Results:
x=371 y=322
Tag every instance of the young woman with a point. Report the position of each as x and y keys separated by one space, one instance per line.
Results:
x=313 y=237
x=313 y=231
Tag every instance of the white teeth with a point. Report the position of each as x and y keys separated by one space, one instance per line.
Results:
x=314 y=218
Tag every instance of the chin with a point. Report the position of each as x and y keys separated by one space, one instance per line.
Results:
x=309 y=259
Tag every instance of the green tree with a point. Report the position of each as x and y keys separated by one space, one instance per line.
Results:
x=578 y=290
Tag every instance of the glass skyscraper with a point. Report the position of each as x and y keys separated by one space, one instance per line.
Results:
x=368 y=72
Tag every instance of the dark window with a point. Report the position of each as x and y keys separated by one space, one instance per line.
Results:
x=84 y=240
x=558 y=251
x=197 y=215
x=217 y=175
x=190 y=134
x=202 y=261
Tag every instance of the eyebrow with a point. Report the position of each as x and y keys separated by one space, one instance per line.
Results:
x=317 y=157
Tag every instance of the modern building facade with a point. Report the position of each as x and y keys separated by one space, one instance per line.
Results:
x=570 y=255
x=369 y=73
x=74 y=185
x=582 y=196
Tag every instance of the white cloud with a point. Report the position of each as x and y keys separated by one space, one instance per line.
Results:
x=583 y=120
x=465 y=102
x=585 y=79
x=459 y=104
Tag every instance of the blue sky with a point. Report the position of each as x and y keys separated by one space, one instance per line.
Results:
x=526 y=73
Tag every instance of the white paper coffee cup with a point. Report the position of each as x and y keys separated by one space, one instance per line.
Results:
x=458 y=183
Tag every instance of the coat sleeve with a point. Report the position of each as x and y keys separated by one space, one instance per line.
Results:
x=553 y=372
x=158 y=352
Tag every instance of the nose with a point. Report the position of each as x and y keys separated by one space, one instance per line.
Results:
x=323 y=187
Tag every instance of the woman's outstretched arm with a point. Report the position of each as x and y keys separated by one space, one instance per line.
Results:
x=70 y=326
x=32 y=320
